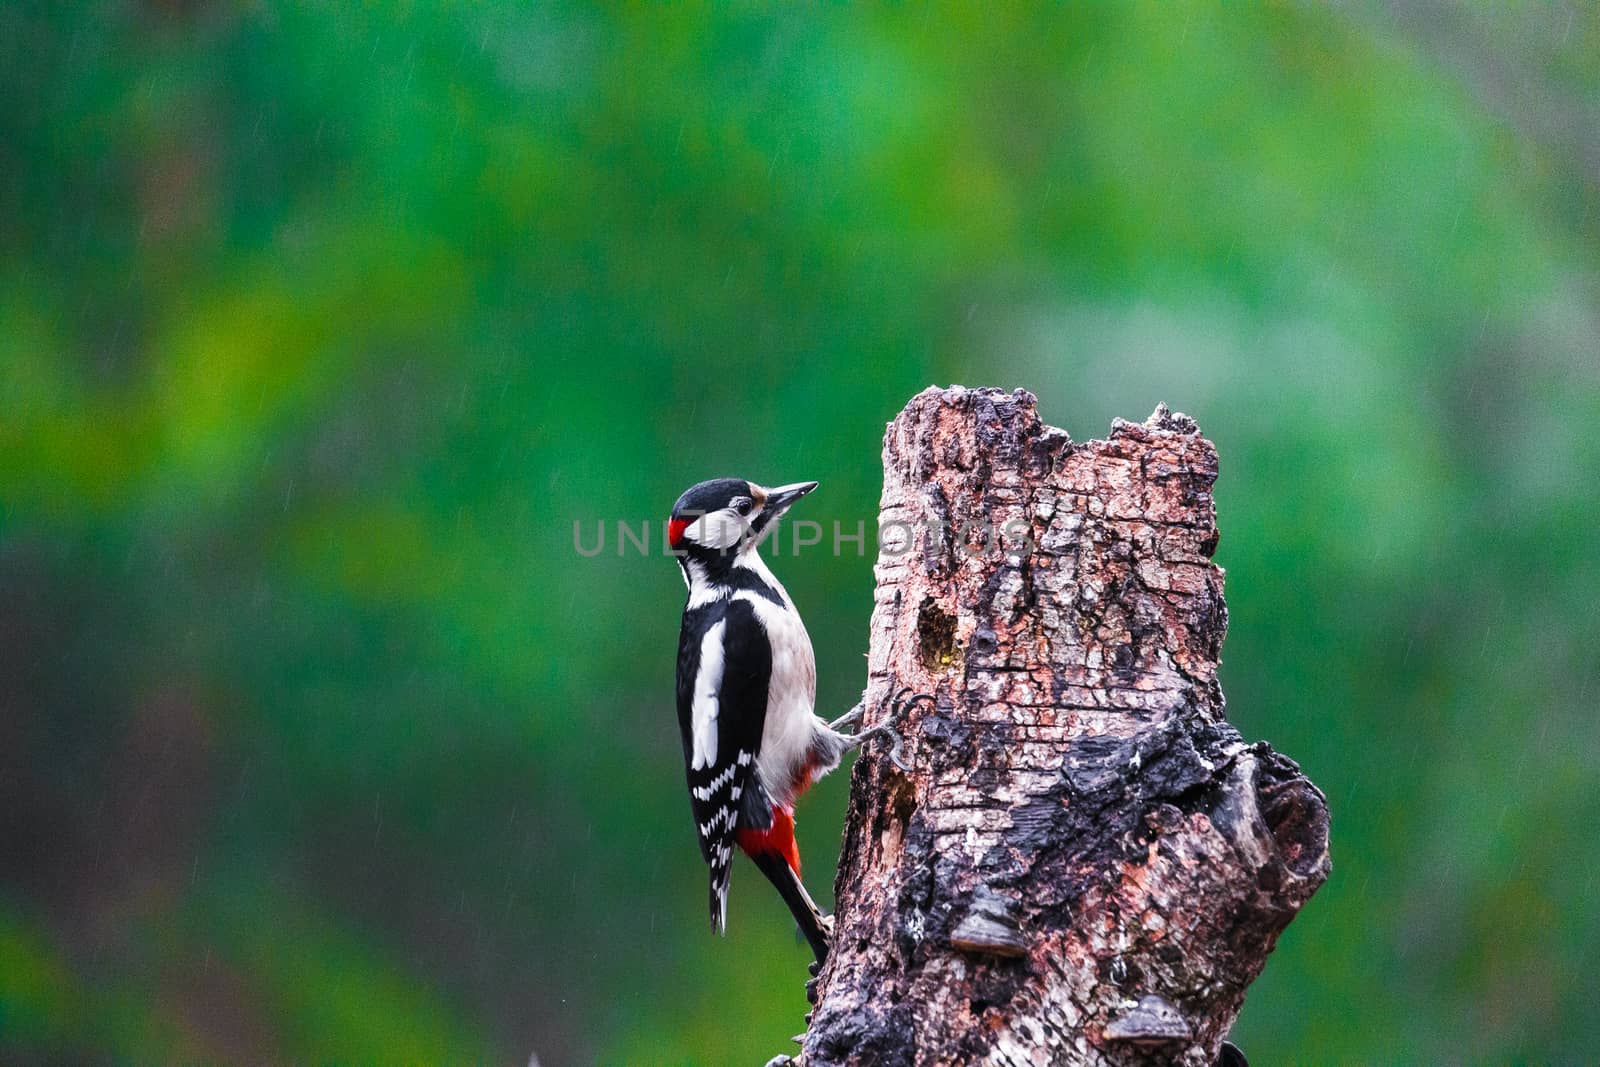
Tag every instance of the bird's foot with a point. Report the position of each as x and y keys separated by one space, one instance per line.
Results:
x=902 y=703
x=814 y=968
x=851 y=717
x=780 y=1061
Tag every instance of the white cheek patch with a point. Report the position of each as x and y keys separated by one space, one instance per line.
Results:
x=718 y=529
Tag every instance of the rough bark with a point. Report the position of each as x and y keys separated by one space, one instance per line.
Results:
x=1081 y=829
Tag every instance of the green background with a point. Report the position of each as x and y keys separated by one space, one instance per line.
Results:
x=320 y=325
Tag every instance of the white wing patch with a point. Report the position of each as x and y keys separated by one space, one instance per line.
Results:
x=703 y=716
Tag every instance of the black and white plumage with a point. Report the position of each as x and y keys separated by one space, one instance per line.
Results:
x=746 y=693
x=720 y=738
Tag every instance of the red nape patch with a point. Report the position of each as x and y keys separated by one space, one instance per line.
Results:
x=675 y=528
x=778 y=838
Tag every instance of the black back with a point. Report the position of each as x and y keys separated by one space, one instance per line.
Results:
x=720 y=792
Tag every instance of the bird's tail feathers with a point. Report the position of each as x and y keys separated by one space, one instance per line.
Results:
x=721 y=874
x=816 y=927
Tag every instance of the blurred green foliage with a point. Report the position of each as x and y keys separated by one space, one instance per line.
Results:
x=321 y=324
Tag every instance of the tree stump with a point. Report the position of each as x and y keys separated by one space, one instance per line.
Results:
x=1086 y=862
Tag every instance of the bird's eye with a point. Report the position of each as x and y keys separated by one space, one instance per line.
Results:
x=742 y=505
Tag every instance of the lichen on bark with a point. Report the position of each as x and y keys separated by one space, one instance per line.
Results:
x=1081 y=829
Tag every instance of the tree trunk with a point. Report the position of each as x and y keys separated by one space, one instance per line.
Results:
x=1085 y=863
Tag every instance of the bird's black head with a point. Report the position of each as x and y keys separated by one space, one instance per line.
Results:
x=725 y=517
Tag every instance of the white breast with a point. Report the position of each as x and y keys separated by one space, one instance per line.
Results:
x=791 y=695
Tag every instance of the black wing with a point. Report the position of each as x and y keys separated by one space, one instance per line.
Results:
x=724 y=651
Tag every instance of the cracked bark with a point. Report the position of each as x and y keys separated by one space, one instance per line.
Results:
x=1081 y=830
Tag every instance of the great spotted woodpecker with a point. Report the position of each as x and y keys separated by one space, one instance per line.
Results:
x=747 y=685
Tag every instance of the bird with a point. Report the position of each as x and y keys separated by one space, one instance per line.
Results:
x=746 y=696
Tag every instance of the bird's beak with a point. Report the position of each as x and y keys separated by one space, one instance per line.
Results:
x=779 y=499
x=775 y=503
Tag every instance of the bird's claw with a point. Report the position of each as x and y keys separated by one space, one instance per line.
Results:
x=814 y=969
x=906 y=699
x=903 y=702
x=897 y=752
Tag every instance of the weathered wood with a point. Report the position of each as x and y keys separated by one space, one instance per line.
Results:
x=1086 y=863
